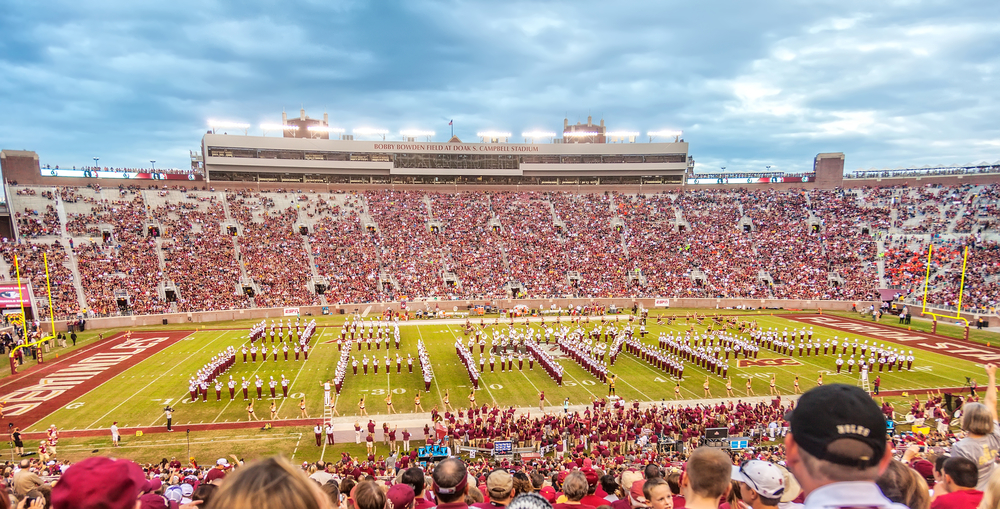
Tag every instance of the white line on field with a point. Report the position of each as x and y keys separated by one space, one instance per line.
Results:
x=151 y=383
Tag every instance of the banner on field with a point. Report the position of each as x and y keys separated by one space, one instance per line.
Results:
x=662 y=303
x=291 y=311
x=10 y=297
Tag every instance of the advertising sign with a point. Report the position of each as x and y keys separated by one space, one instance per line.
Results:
x=10 y=297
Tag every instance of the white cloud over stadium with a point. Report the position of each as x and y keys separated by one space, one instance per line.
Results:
x=750 y=84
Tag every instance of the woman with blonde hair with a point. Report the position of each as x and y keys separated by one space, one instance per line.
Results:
x=272 y=483
x=979 y=422
x=366 y=495
x=904 y=485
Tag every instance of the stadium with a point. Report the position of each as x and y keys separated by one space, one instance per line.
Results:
x=299 y=294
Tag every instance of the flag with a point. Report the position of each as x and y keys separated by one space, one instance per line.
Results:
x=451 y=122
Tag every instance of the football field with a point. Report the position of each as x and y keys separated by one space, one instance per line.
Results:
x=135 y=398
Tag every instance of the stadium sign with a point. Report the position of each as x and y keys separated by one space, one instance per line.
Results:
x=503 y=447
x=127 y=175
x=749 y=180
x=291 y=311
x=10 y=297
x=456 y=147
x=661 y=303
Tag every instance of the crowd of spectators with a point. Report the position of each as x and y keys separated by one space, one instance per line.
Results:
x=795 y=244
x=272 y=251
x=31 y=259
x=198 y=256
x=125 y=262
x=471 y=247
x=831 y=448
x=407 y=250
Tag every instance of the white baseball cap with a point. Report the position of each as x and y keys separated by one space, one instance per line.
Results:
x=761 y=476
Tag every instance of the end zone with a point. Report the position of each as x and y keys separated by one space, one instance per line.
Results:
x=964 y=350
x=43 y=390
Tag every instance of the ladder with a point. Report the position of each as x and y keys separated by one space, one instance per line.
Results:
x=863 y=380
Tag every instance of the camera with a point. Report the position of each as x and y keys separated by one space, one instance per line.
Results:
x=168 y=408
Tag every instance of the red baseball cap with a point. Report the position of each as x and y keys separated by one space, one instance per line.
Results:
x=99 y=483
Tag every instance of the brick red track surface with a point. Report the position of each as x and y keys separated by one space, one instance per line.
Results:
x=14 y=388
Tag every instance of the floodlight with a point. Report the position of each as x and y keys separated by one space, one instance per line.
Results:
x=579 y=134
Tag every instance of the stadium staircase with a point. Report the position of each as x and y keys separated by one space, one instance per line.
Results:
x=307 y=246
x=77 y=280
x=236 y=250
x=495 y=222
x=61 y=211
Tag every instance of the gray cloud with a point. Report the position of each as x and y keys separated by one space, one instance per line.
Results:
x=766 y=83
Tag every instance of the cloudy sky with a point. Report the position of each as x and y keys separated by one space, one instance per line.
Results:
x=890 y=83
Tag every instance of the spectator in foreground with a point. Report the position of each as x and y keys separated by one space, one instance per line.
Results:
x=960 y=479
x=451 y=482
x=836 y=448
x=575 y=488
x=904 y=485
x=99 y=483
x=761 y=484
x=706 y=478
x=500 y=488
x=657 y=492
x=273 y=483
x=367 y=495
x=979 y=422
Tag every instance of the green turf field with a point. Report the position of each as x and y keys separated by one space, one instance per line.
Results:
x=136 y=398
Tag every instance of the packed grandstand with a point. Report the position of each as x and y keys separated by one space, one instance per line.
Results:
x=385 y=245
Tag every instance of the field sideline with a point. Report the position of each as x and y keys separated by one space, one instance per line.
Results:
x=135 y=398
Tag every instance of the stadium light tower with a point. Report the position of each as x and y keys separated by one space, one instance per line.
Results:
x=624 y=135
x=152 y=164
x=371 y=131
x=95 y=161
x=277 y=127
x=323 y=129
x=531 y=135
x=666 y=133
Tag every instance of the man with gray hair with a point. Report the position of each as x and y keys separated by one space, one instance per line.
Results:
x=979 y=422
x=837 y=448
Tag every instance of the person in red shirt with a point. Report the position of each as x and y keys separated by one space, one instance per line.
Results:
x=961 y=475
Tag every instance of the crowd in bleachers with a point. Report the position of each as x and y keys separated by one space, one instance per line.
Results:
x=272 y=251
x=199 y=258
x=472 y=249
x=808 y=244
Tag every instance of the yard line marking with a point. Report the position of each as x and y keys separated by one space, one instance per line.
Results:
x=436 y=386
x=299 y=372
x=488 y=391
x=151 y=383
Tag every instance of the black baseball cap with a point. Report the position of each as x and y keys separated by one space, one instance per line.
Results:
x=841 y=424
